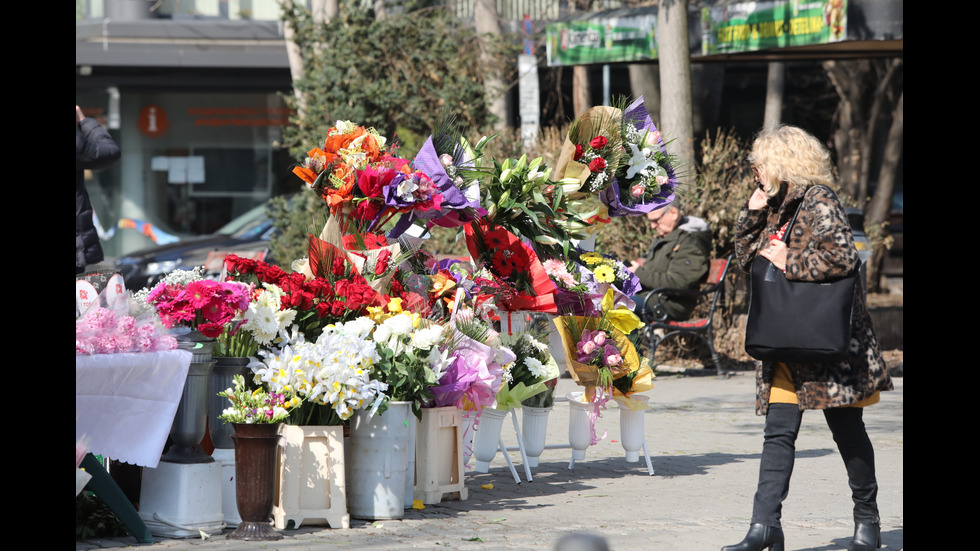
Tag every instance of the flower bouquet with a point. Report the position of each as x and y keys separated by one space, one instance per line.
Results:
x=355 y=172
x=254 y=406
x=532 y=368
x=472 y=361
x=601 y=355
x=593 y=150
x=258 y=326
x=647 y=179
x=519 y=280
x=451 y=163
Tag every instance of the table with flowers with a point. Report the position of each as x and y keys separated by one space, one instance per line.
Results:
x=124 y=407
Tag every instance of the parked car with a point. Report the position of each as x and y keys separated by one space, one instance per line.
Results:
x=247 y=235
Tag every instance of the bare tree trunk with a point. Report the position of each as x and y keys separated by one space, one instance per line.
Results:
x=645 y=81
x=865 y=91
x=323 y=12
x=581 y=93
x=774 y=95
x=675 y=83
x=488 y=27
x=881 y=201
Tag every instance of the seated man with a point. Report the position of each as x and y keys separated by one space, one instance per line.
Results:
x=678 y=258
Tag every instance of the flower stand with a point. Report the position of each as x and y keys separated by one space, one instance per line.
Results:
x=439 y=456
x=310 y=477
x=579 y=429
x=487 y=437
x=534 y=422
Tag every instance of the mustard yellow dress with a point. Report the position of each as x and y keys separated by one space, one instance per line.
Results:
x=784 y=392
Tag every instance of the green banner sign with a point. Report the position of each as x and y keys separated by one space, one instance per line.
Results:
x=751 y=26
x=601 y=40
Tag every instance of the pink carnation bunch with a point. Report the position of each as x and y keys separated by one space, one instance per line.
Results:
x=102 y=331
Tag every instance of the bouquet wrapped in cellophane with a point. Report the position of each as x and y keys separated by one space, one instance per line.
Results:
x=601 y=357
x=617 y=152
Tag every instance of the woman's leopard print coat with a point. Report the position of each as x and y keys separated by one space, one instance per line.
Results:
x=821 y=247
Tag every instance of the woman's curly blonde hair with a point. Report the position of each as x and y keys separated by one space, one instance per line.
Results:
x=791 y=155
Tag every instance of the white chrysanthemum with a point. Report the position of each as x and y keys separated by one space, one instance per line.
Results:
x=536 y=368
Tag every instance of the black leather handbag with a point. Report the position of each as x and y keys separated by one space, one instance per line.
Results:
x=798 y=321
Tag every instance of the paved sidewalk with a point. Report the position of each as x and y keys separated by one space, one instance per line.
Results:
x=704 y=439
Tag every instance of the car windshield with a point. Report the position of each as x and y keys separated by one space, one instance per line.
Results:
x=252 y=224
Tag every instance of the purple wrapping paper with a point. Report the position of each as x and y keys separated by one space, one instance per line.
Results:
x=611 y=196
x=454 y=202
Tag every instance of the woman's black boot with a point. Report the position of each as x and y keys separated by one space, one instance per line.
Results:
x=867 y=537
x=760 y=537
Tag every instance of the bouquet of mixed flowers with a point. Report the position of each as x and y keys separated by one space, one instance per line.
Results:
x=452 y=164
x=600 y=354
x=532 y=367
x=253 y=406
x=593 y=151
x=610 y=273
x=332 y=376
x=409 y=349
x=603 y=359
x=472 y=369
x=357 y=174
x=186 y=299
x=647 y=179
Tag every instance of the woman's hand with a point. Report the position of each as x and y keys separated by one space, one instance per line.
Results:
x=775 y=253
x=759 y=200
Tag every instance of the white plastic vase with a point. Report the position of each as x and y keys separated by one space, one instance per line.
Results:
x=469 y=430
x=534 y=428
x=579 y=429
x=487 y=437
x=631 y=429
x=378 y=456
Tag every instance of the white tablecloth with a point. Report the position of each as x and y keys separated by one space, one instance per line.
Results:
x=125 y=403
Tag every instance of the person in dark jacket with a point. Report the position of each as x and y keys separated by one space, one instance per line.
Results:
x=94 y=149
x=678 y=258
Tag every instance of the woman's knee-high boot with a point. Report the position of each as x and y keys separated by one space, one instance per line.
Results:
x=847 y=426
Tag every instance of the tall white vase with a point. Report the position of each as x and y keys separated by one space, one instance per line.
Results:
x=631 y=429
x=413 y=426
x=378 y=460
x=487 y=437
x=579 y=429
x=534 y=428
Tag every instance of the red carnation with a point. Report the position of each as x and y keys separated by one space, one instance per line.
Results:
x=597 y=164
x=598 y=142
x=579 y=150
